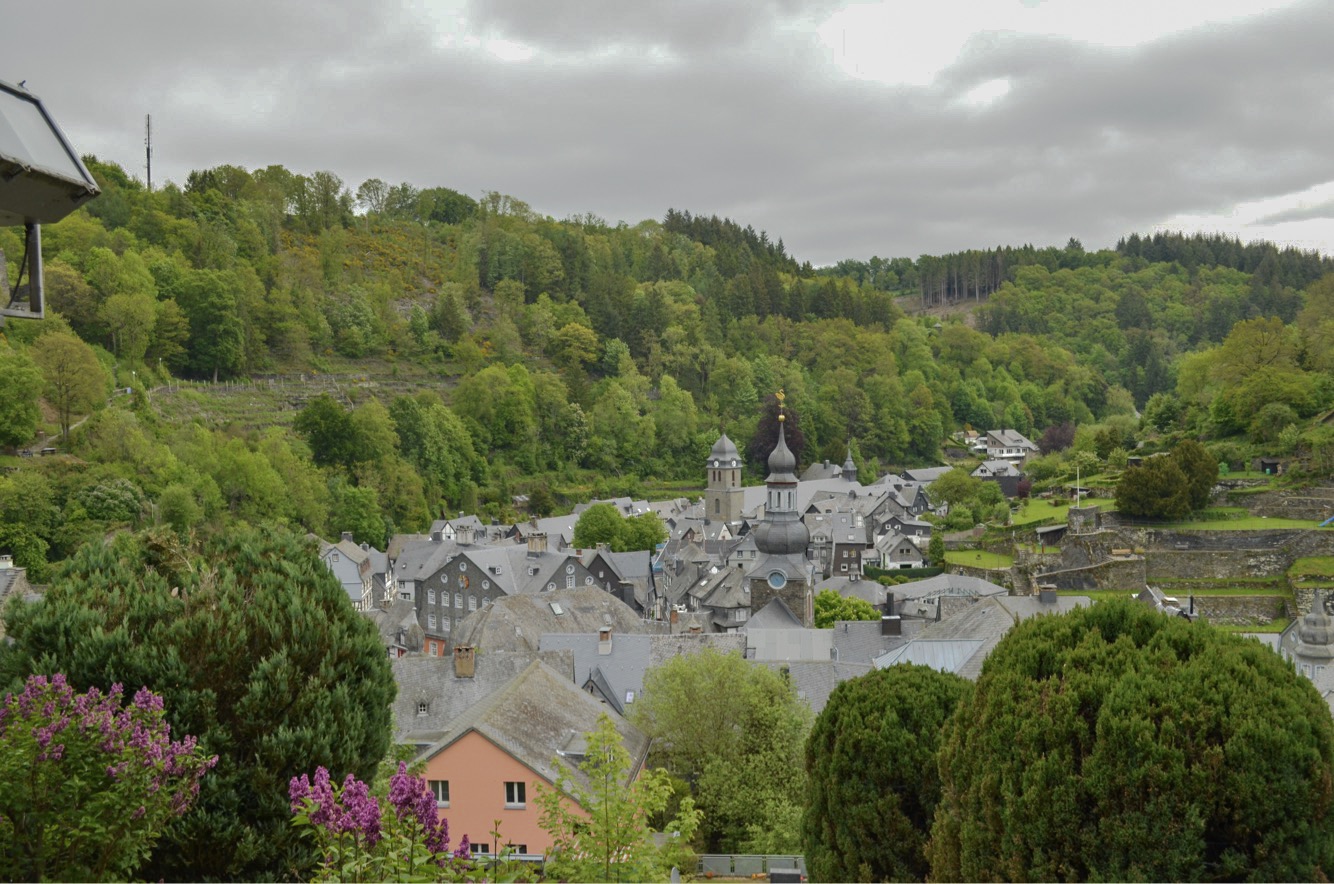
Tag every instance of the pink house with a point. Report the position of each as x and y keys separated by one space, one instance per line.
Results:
x=489 y=763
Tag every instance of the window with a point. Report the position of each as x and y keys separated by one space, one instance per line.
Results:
x=463 y=566
x=480 y=849
x=430 y=621
x=569 y=582
x=423 y=707
x=739 y=614
x=458 y=600
x=431 y=596
x=472 y=603
x=440 y=789
x=434 y=652
x=486 y=584
x=334 y=557
x=551 y=586
x=569 y=569
x=515 y=794
x=445 y=624
x=517 y=849
x=588 y=581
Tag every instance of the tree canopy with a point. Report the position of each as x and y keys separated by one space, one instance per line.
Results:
x=871 y=765
x=1115 y=743
x=743 y=756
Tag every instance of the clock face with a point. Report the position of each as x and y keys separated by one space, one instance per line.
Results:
x=777 y=579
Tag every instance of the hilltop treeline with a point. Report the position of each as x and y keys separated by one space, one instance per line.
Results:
x=565 y=357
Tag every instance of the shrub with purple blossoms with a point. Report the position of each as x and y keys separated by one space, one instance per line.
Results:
x=405 y=840
x=87 y=783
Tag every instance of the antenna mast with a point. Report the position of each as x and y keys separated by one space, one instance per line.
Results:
x=148 y=148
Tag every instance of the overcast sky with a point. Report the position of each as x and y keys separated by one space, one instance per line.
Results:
x=848 y=130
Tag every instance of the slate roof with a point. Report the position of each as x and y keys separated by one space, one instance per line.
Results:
x=814 y=680
x=431 y=680
x=960 y=643
x=996 y=468
x=419 y=560
x=869 y=591
x=791 y=643
x=536 y=717
x=518 y=622
x=860 y=641
x=947 y=584
x=621 y=672
x=926 y=475
x=398 y=625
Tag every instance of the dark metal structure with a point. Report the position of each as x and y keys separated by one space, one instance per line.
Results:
x=42 y=180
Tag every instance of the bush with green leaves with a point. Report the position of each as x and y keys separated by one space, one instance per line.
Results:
x=871 y=764
x=87 y=781
x=1117 y=743
x=830 y=607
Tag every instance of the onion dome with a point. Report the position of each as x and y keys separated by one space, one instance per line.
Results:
x=782 y=462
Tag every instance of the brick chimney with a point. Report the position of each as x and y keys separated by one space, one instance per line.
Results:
x=604 y=640
x=464 y=661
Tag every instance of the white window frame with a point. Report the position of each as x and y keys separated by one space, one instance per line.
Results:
x=516 y=794
x=439 y=787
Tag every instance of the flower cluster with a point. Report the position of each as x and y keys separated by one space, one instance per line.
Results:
x=361 y=840
x=91 y=750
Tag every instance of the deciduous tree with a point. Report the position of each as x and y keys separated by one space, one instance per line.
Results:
x=1157 y=489
x=75 y=381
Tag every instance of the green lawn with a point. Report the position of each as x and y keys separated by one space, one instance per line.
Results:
x=978 y=558
x=1250 y=523
x=1312 y=566
x=1037 y=510
x=1272 y=626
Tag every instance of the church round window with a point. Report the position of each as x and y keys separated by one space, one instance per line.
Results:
x=777 y=579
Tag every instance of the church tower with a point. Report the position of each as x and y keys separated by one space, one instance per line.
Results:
x=722 y=495
x=782 y=569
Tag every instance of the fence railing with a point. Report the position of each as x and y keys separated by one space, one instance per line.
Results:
x=745 y=864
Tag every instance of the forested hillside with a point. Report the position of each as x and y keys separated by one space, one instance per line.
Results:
x=507 y=353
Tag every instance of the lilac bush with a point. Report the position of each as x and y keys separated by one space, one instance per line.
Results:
x=405 y=840
x=88 y=783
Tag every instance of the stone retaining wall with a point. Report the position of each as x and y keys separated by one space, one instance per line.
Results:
x=1171 y=564
x=1226 y=610
x=1125 y=573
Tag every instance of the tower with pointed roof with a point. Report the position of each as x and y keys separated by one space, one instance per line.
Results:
x=782 y=570
x=722 y=495
x=849 y=466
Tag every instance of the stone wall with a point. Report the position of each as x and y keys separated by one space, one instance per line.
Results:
x=1000 y=577
x=1218 y=564
x=1236 y=610
x=1124 y=573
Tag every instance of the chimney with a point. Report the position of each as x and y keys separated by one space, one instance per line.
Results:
x=675 y=616
x=437 y=537
x=347 y=535
x=1046 y=594
x=464 y=661
x=891 y=624
x=464 y=535
x=604 y=640
x=537 y=543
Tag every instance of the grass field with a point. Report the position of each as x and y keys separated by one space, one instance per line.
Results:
x=1037 y=510
x=1248 y=523
x=976 y=558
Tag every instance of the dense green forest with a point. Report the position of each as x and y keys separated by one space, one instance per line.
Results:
x=437 y=353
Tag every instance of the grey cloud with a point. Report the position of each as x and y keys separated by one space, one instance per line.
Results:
x=1090 y=142
x=1319 y=211
x=684 y=27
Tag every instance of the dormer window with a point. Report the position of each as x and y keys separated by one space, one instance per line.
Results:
x=423 y=707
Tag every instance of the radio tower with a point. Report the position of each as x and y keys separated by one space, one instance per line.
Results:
x=148 y=148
